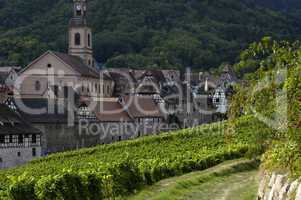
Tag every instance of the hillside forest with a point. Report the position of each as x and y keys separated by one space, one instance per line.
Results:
x=148 y=33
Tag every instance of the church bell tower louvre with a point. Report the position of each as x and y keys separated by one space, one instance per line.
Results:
x=80 y=34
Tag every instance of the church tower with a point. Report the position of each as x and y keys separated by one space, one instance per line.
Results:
x=80 y=35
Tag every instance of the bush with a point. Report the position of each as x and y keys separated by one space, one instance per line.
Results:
x=126 y=177
x=67 y=186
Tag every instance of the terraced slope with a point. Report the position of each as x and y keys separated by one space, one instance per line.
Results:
x=120 y=169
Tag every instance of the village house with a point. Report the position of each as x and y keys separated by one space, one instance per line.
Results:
x=105 y=121
x=145 y=112
x=19 y=141
x=143 y=82
x=206 y=97
x=161 y=85
x=9 y=75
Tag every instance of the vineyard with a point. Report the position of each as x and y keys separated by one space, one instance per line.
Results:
x=109 y=171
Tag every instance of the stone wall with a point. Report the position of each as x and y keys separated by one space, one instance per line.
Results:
x=279 y=187
x=11 y=157
x=61 y=137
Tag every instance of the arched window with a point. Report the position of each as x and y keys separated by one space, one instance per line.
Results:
x=89 y=40
x=38 y=86
x=77 y=39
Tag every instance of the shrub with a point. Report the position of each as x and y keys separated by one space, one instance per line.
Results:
x=126 y=177
x=67 y=185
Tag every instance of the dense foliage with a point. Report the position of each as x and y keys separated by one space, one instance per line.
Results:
x=291 y=7
x=118 y=169
x=272 y=93
x=143 y=33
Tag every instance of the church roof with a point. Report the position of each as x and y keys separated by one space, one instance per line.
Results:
x=77 y=64
x=74 y=62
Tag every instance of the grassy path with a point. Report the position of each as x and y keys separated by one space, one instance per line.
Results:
x=233 y=180
x=240 y=186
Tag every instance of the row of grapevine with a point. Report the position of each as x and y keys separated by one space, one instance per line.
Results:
x=109 y=171
x=108 y=182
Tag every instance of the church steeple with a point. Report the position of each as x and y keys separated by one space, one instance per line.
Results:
x=80 y=8
x=80 y=35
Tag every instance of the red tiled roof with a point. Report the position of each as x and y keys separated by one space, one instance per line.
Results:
x=141 y=106
x=111 y=111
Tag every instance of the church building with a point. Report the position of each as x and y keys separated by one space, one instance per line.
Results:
x=53 y=72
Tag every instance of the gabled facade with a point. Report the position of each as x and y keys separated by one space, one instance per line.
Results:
x=145 y=112
x=59 y=71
